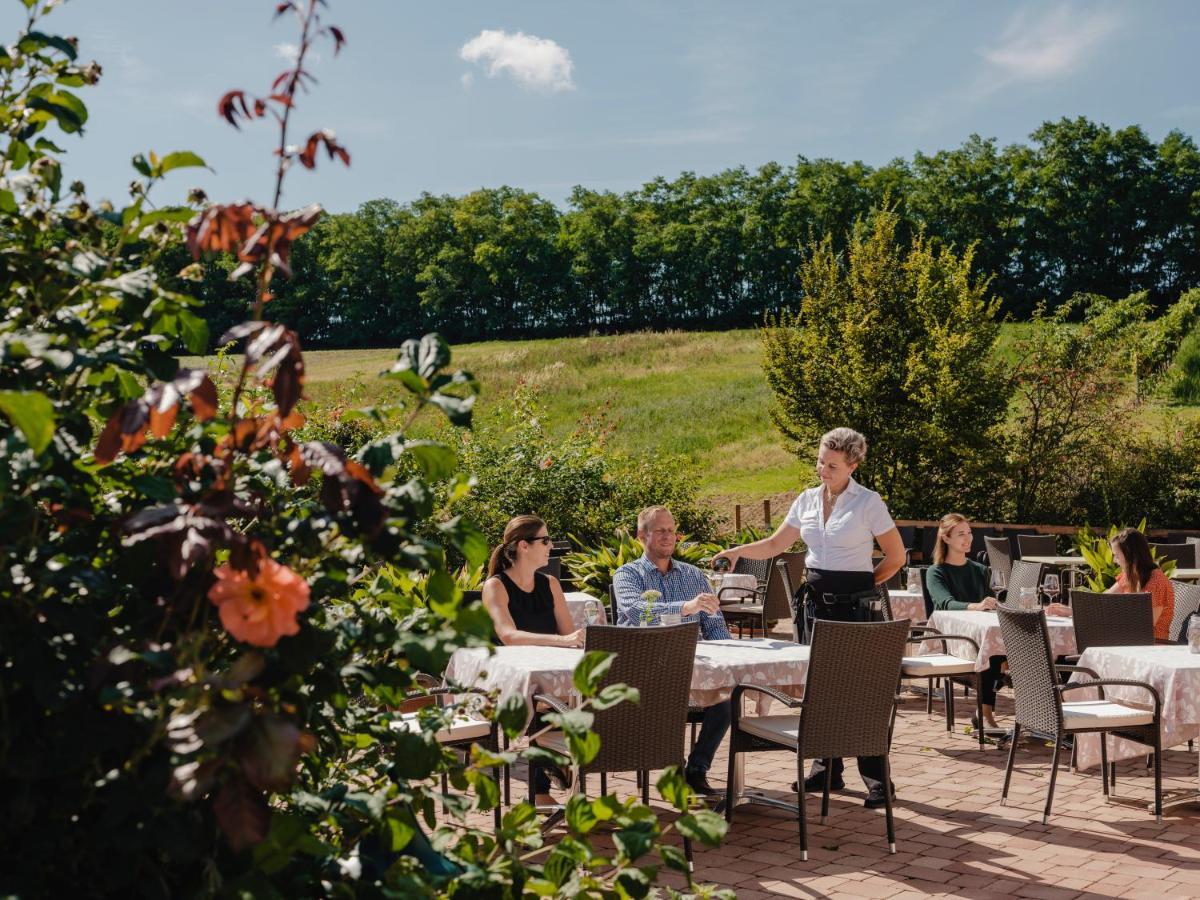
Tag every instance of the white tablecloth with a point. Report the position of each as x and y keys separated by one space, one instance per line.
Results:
x=907 y=605
x=720 y=666
x=1186 y=574
x=577 y=602
x=738 y=580
x=984 y=627
x=1170 y=669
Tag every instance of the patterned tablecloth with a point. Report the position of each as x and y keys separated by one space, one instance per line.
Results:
x=738 y=580
x=984 y=627
x=1170 y=669
x=907 y=605
x=720 y=666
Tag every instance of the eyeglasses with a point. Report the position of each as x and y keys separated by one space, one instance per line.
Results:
x=544 y=539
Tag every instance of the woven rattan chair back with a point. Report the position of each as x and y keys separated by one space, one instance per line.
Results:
x=1112 y=620
x=999 y=554
x=553 y=567
x=885 y=602
x=1031 y=668
x=1024 y=574
x=853 y=670
x=1037 y=545
x=778 y=602
x=759 y=568
x=1187 y=601
x=1184 y=554
x=612 y=605
x=658 y=662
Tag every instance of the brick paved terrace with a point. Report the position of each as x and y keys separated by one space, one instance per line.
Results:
x=953 y=836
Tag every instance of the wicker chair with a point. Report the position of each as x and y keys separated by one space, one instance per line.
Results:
x=1187 y=601
x=767 y=604
x=1037 y=545
x=853 y=668
x=933 y=666
x=999 y=557
x=1112 y=620
x=463 y=730
x=639 y=737
x=695 y=714
x=1184 y=554
x=553 y=567
x=1040 y=707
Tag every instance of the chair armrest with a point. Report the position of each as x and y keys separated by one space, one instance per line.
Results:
x=553 y=702
x=946 y=637
x=1076 y=685
x=790 y=702
x=1084 y=669
x=744 y=594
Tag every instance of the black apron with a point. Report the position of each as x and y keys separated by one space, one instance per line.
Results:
x=838 y=597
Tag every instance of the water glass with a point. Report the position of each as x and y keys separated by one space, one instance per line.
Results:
x=670 y=619
x=592 y=613
x=1027 y=601
x=914 y=580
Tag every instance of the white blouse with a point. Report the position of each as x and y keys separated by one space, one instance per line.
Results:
x=846 y=541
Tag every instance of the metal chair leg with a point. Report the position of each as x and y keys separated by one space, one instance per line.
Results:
x=800 y=811
x=729 y=798
x=1012 y=756
x=604 y=784
x=949 y=693
x=825 y=795
x=887 y=805
x=1103 y=760
x=496 y=812
x=1157 y=775
x=646 y=787
x=1053 y=778
x=979 y=707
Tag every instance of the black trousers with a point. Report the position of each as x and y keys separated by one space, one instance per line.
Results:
x=988 y=680
x=824 y=581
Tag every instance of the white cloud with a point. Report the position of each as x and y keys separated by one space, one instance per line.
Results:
x=531 y=61
x=1056 y=43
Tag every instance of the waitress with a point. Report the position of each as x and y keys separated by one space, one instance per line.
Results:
x=839 y=521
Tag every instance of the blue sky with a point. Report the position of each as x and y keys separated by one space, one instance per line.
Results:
x=450 y=96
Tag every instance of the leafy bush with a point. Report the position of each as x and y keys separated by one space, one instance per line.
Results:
x=578 y=484
x=208 y=621
x=1185 y=375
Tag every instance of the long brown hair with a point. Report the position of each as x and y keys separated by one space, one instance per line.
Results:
x=519 y=528
x=1139 y=564
x=940 y=547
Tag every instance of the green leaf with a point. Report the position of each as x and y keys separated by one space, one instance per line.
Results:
x=634 y=883
x=634 y=843
x=703 y=825
x=558 y=868
x=512 y=715
x=431 y=354
x=167 y=214
x=142 y=165
x=580 y=816
x=32 y=414
x=457 y=409
x=128 y=386
x=590 y=670
x=584 y=747
x=435 y=460
x=154 y=487
x=674 y=788
x=673 y=857
x=35 y=40
x=8 y=202
x=67 y=109
x=194 y=332
x=613 y=694
x=180 y=159
x=486 y=789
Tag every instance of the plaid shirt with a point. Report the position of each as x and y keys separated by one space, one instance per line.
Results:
x=681 y=583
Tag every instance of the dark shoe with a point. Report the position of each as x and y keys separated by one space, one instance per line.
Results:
x=699 y=783
x=815 y=784
x=875 y=798
x=557 y=774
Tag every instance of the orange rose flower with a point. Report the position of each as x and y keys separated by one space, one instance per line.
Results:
x=263 y=609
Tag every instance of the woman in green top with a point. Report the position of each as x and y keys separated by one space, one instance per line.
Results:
x=955 y=582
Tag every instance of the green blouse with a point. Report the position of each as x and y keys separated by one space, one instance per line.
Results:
x=954 y=587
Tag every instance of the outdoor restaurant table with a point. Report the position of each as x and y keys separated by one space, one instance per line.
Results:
x=577 y=602
x=1059 y=562
x=1186 y=574
x=720 y=666
x=1171 y=669
x=984 y=628
x=907 y=605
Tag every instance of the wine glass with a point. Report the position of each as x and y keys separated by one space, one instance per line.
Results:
x=1051 y=586
x=997 y=582
x=914 y=580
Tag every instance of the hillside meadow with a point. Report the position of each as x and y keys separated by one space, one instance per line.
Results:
x=699 y=395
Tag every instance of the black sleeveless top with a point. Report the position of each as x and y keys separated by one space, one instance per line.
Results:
x=531 y=611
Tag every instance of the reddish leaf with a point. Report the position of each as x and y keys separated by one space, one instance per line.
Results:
x=125 y=431
x=359 y=472
x=338 y=38
x=308 y=156
x=204 y=399
x=161 y=423
x=296 y=466
x=235 y=102
x=327 y=458
x=268 y=753
x=284 y=7
x=243 y=815
x=220 y=229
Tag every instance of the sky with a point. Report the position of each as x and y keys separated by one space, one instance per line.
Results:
x=447 y=97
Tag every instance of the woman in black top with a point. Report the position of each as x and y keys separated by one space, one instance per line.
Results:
x=528 y=607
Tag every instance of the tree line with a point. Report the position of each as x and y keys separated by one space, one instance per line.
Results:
x=1080 y=208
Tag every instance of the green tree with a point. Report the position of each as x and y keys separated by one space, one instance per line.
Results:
x=898 y=343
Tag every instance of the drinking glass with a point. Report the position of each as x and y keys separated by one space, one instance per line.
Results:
x=914 y=580
x=1027 y=601
x=716 y=579
x=997 y=582
x=592 y=613
x=1193 y=633
x=670 y=619
x=1051 y=586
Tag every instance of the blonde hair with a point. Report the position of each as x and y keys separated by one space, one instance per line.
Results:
x=519 y=528
x=649 y=514
x=948 y=522
x=847 y=441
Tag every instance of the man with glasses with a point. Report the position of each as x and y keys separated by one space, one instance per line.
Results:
x=685 y=591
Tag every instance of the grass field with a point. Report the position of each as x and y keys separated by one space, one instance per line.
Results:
x=697 y=395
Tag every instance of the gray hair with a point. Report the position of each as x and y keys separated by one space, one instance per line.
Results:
x=847 y=441
x=648 y=515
